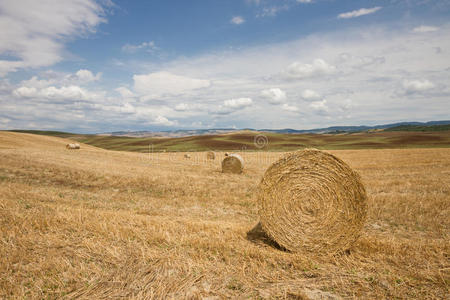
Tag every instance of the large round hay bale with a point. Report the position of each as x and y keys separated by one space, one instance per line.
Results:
x=211 y=155
x=233 y=163
x=312 y=201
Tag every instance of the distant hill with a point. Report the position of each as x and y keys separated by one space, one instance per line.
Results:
x=45 y=132
x=245 y=140
x=419 y=128
x=408 y=126
x=172 y=133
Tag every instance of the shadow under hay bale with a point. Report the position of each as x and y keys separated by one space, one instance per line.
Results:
x=311 y=201
x=258 y=236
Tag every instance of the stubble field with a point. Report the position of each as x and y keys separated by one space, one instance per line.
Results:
x=101 y=224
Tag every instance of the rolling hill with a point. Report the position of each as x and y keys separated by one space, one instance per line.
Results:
x=244 y=140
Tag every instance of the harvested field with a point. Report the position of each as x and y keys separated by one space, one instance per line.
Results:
x=101 y=224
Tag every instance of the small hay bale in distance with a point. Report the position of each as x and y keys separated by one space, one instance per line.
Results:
x=187 y=156
x=210 y=155
x=233 y=163
x=73 y=146
x=311 y=201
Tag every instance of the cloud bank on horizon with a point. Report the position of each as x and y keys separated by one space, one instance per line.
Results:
x=96 y=66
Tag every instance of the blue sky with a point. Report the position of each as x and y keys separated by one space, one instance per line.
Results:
x=99 y=66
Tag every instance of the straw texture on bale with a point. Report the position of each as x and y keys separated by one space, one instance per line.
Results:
x=233 y=163
x=210 y=155
x=311 y=201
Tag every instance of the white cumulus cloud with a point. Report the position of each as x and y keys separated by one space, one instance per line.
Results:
x=317 y=68
x=65 y=92
x=423 y=29
x=161 y=120
x=87 y=76
x=237 y=20
x=147 y=46
x=274 y=95
x=160 y=83
x=181 y=107
x=37 y=83
x=414 y=86
x=290 y=108
x=320 y=106
x=233 y=105
x=124 y=92
x=26 y=92
x=359 y=12
x=272 y=11
x=35 y=32
x=238 y=103
x=71 y=92
x=310 y=95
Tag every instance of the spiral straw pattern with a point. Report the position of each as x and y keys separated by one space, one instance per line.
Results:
x=312 y=201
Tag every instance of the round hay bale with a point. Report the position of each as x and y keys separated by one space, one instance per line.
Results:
x=211 y=155
x=73 y=146
x=233 y=163
x=312 y=201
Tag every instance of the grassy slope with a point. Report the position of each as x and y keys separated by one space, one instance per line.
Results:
x=99 y=224
x=277 y=142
